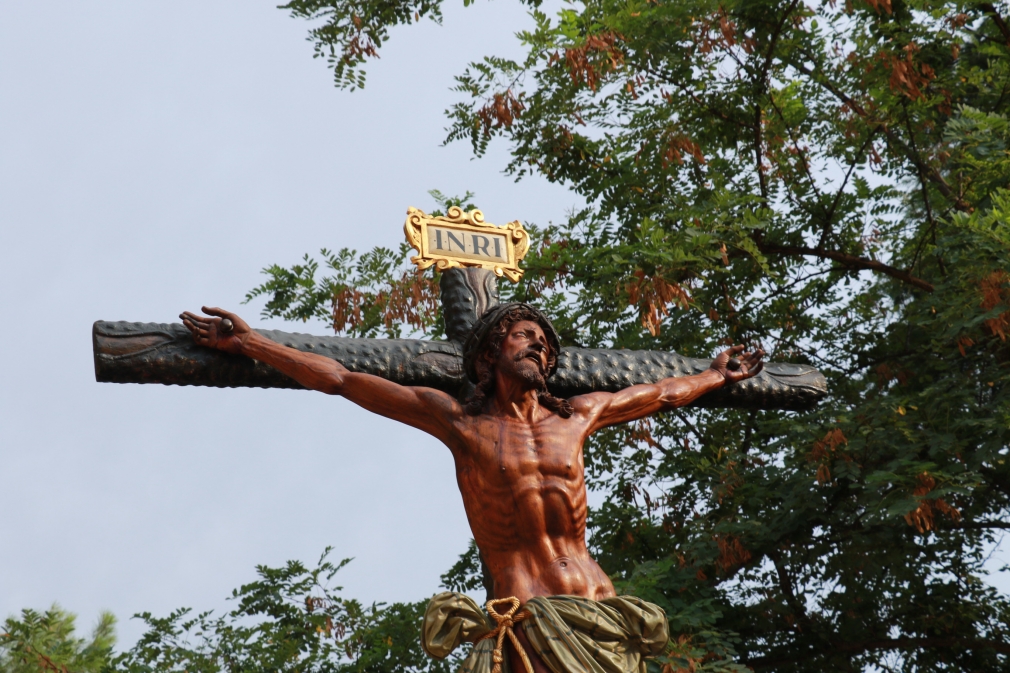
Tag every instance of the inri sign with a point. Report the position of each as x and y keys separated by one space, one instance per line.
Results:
x=464 y=239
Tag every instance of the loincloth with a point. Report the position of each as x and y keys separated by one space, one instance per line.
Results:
x=570 y=634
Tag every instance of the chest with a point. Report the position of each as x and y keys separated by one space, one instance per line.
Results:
x=512 y=449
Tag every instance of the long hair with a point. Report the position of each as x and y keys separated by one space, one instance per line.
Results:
x=485 y=366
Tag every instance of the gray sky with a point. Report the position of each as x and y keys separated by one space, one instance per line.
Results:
x=154 y=156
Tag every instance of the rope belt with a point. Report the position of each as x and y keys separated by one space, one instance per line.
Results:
x=505 y=623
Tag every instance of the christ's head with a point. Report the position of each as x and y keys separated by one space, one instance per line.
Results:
x=517 y=341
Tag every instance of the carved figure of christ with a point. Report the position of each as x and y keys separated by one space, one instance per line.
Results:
x=519 y=464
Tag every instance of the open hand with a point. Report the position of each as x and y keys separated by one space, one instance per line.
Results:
x=736 y=369
x=225 y=331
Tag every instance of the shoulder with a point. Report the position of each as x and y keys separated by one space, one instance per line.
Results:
x=443 y=402
x=590 y=403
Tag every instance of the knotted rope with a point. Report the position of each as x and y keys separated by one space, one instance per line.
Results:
x=505 y=624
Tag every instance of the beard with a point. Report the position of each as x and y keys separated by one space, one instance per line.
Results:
x=527 y=370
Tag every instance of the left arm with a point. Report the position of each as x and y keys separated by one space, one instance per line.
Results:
x=636 y=402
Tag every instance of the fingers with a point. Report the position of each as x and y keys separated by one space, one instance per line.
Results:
x=213 y=311
x=751 y=365
x=747 y=365
x=193 y=318
x=200 y=333
x=219 y=312
x=200 y=327
x=190 y=323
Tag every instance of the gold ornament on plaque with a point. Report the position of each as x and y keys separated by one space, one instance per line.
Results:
x=463 y=238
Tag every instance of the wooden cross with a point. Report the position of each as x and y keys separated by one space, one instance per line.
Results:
x=127 y=352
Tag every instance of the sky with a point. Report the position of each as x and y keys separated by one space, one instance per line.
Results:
x=154 y=157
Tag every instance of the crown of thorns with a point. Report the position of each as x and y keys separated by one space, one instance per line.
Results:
x=482 y=329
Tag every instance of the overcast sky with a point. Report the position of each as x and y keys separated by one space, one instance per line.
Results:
x=154 y=156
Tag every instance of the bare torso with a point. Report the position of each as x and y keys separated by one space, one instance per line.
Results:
x=519 y=465
x=524 y=491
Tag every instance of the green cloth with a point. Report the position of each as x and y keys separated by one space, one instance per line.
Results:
x=570 y=634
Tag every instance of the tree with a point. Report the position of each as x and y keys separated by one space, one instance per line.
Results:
x=289 y=620
x=829 y=181
x=46 y=642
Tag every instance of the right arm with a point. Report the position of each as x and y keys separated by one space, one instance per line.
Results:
x=426 y=409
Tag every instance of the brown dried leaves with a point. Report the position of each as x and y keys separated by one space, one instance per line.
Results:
x=501 y=111
x=923 y=516
x=654 y=295
x=413 y=300
x=598 y=56
x=825 y=451
x=732 y=554
x=679 y=145
x=360 y=44
x=907 y=77
x=880 y=5
x=996 y=291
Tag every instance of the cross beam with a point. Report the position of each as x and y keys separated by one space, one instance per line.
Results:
x=127 y=352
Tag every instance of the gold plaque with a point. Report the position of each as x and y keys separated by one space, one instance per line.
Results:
x=465 y=239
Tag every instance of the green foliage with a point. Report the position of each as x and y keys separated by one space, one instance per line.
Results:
x=365 y=295
x=377 y=292
x=829 y=181
x=468 y=574
x=287 y=620
x=47 y=641
x=353 y=31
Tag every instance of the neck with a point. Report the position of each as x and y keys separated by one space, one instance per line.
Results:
x=515 y=399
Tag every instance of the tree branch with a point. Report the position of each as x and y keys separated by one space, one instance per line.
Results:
x=826 y=230
x=886 y=644
x=763 y=74
x=925 y=195
x=796 y=146
x=718 y=112
x=845 y=259
x=775 y=37
x=990 y=9
x=972 y=525
x=930 y=172
x=758 y=155
x=786 y=586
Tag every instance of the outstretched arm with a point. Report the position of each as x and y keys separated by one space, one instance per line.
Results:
x=427 y=409
x=639 y=401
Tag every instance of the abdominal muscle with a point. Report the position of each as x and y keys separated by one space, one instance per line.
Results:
x=531 y=533
x=524 y=577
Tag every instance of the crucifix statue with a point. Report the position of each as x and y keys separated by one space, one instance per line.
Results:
x=514 y=408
